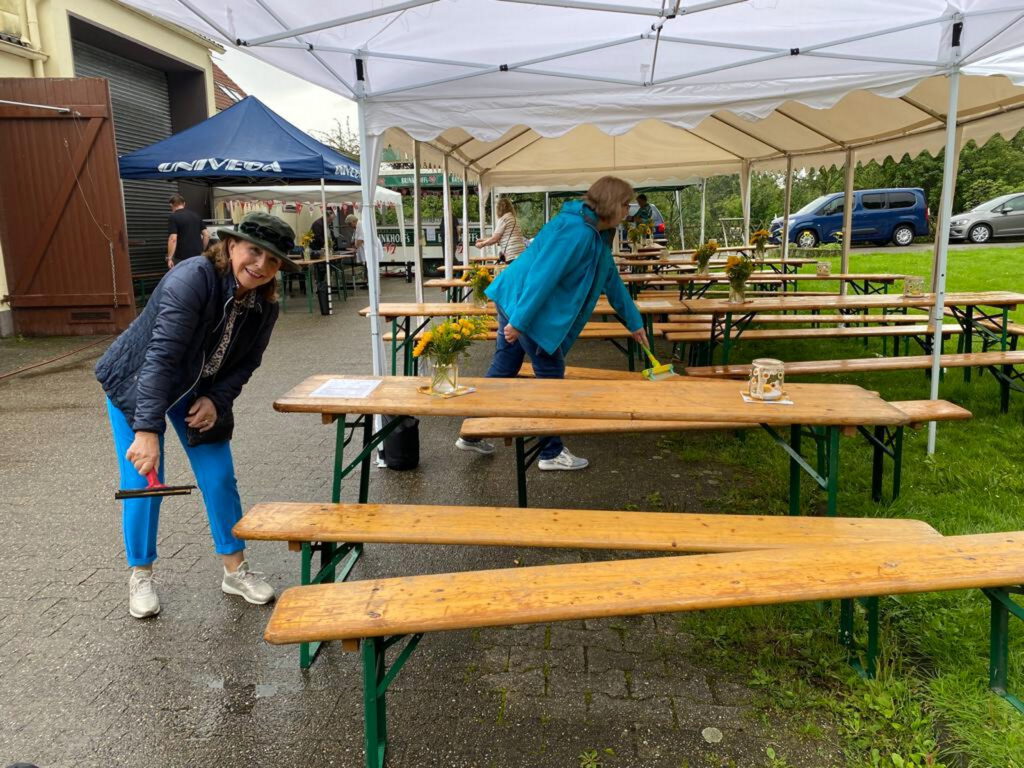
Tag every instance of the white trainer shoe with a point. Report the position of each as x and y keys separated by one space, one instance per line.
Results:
x=564 y=460
x=247 y=584
x=480 y=446
x=142 y=599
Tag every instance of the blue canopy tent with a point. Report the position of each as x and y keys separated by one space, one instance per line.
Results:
x=247 y=142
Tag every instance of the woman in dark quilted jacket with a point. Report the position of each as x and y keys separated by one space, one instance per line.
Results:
x=185 y=359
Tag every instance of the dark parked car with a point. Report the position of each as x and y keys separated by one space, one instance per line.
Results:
x=879 y=216
x=996 y=218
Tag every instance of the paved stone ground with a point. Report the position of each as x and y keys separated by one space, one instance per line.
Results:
x=83 y=684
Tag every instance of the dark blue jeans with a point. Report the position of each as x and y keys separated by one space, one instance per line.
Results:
x=508 y=359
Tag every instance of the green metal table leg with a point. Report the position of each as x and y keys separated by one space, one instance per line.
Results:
x=374 y=703
x=364 y=469
x=968 y=340
x=794 y=471
x=897 y=463
x=521 y=471
x=877 y=459
x=833 y=471
x=394 y=344
x=727 y=339
x=309 y=289
x=999 y=643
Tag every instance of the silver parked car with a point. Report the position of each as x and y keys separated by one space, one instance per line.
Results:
x=999 y=217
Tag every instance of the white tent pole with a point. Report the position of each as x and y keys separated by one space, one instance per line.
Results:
x=945 y=214
x=465 y=215
x=494 y=212
x=547 y=207
x=327 y=247
x=679 y=210
x=745 y=178
x=480 y=208
x=367 y=178
x=446 y=220
x=787 y=205
x=956 y=170
x=844 y=261
x=703 y=207
x=417 y=223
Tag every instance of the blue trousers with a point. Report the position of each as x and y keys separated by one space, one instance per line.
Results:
x=508 y=359
x=215 y=475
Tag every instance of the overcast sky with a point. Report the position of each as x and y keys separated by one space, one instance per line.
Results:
x=308 y=106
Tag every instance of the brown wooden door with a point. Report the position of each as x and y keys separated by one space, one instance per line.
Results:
x=62 y=225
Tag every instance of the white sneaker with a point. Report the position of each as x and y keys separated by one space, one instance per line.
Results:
x=480 y=446
x=142 y=598
x=564 y=460
x=247 y=584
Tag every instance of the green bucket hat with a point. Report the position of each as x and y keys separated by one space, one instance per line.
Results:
x=269 y=233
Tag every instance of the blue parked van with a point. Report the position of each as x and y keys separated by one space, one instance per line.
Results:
x=879 y=216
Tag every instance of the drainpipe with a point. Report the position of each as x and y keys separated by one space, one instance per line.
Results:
x=32 y=24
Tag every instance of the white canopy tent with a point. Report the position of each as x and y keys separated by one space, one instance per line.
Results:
x=748 y=81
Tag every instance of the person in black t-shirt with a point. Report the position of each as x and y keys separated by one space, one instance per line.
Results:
x=186 y=234
x=317 y=229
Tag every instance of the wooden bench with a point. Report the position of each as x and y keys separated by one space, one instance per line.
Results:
x=809 y=319
x=527 y=434
x=1003 y=365
x=337 y=532
x=374 y=615
x=948 y=329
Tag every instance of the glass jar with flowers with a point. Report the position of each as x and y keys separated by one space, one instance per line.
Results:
x=738 y=268
x=759 y=239
x=478 y=280
x=444 y=345
x=640 y=234
x=703 y=256
x=305 y=241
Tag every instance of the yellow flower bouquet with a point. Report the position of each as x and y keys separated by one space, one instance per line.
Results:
x=479 y=279
x=759 y=239
x=443 y=345
x=738 y=269
x=703 y=255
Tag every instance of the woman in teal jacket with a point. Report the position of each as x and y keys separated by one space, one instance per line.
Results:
x=547 y=295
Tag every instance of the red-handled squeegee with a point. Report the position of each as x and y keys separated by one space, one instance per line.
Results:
x=155 y=488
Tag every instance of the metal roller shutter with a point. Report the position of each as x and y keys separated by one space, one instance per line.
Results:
x=142 y=115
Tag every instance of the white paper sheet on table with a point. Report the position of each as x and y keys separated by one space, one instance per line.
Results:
x=748 y=399
x=350 y=389
x=654 y=304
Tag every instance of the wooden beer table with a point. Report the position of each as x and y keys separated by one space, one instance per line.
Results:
x=403 y=332
x=984 y=313
x=694 y=286
x=825 y=409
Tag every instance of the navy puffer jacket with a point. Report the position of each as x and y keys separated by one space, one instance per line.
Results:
x=160 y=356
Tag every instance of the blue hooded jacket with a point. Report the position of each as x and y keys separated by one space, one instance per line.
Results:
x=550 y=291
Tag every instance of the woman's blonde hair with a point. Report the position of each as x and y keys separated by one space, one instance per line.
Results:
x=607 y=195
x=221 y=260
x=505 y=206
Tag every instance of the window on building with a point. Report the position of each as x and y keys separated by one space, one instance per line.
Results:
x=10 y=21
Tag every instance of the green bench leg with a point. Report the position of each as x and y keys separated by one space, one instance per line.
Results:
x=865 y=667
x=376 y=680
x=999 y=649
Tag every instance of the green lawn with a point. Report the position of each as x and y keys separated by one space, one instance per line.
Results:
x=930 y=704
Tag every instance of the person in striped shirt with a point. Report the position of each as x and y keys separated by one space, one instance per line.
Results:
x=507 y=234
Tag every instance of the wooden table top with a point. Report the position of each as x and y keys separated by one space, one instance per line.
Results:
x=677 y=263
x=322 y=259
x=794 y=301
x=763 y=276
x=677 y=399
x=446 y=309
